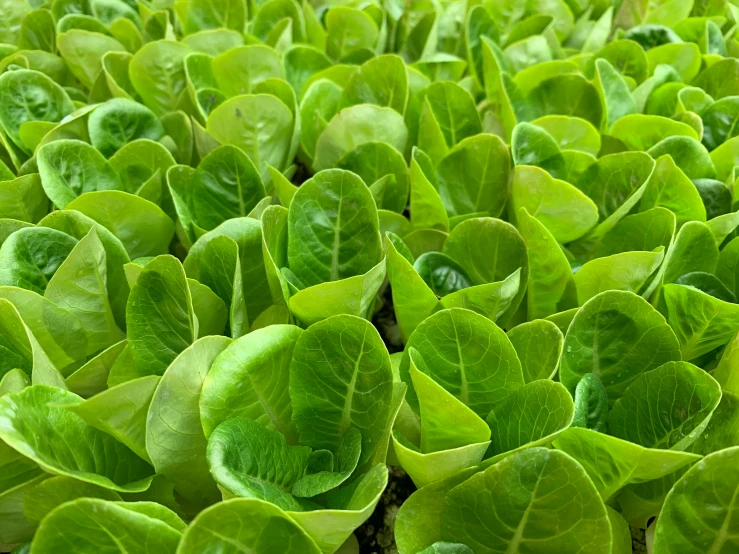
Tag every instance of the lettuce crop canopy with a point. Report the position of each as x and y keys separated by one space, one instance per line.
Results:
x=254 y=253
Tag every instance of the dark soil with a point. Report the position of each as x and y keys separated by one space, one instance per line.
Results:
x=377 y=535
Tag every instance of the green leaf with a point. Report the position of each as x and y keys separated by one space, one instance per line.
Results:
x=532 y=415
x=473 y=176
x=79 y=285
x=222 y=526
x=550 y=287
x=30 y=257
x=91 y=524
x=697 y=514
x=249 y=460
x=14 y=381
x=670 y=188
x=641 y=132
x=174 y=437
x=381 y=81
x=240 y=70
x=701 y=322
x=120 y=121
x=159 y=317
x=250 y=378
x=247 y=233
x=357 y=125
x=468 y=355
x=314 y=483
x=427 y=209
x=591 y=403
x=226 y=185
x=446 y=422
x=340 y=377
x=564 y=210
x=143 y=228
x=489 y=250
x=682 y=394
x=157 y=73
x=23 y=198
x=58 y=331
x=571 y=133
x=373 y=161
x=34 y=423
x=618 y=336
x=627 y=271
x=448 y=116
x=50 y=493
x=70 y=168
x=613 y=463
x=29 y=95
x=83 y=51
x=22 y=351
x=517 y=499
x=340 y=241
x=121 y=412
x=539 y=345
x=259 y=124
x=570 y=95
x=92 y=377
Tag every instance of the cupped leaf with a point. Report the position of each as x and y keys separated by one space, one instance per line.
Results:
x=489 y=250
x=473 y=176
x=641 y=132
x=251 y=378
x=618 y=336
x=246 y=523
x=539 y=345
x=160 y=317
x=614 y=463
x=468 y=355
x=355 y=126
x=532 y=415
x=373 y=161
x=333 y=228
x=69 y=168
x=91 y=524
x=79 y=286
x=627 y=271
x=121 y=412
x=59 y=333
x=615 y=182
x=225 y=185
x=344 y=358
x=550 y=288
x=30 y=257
x=564 y=210
x=247 y=233
x=518 y=498
x=698 y=512
x=33 y=422
x=249 y=460
x=682 y=394
x=701 y=322
x=352 y=296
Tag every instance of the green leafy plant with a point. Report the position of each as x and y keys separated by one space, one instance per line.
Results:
x=254 y=253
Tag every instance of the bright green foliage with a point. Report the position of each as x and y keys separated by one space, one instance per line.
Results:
x=219 y=218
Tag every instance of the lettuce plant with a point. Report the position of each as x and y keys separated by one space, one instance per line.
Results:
x=254 y=253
